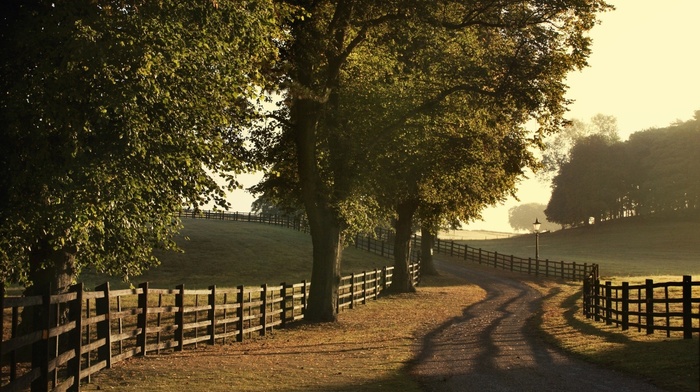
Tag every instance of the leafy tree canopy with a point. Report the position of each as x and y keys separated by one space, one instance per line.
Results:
x=114 y=115
x=652 y=172
x=558 y=147
x=374 y=87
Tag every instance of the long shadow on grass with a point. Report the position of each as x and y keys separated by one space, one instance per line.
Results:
x=672 y=364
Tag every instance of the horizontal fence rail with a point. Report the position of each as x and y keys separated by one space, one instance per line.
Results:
x=75 y=335
x=555 y=269
x=649 y=307
x=104 y=326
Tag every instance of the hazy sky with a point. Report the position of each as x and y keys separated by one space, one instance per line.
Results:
x=644 y=70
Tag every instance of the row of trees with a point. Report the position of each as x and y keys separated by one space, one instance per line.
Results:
x=409 y=112
x=654 y=171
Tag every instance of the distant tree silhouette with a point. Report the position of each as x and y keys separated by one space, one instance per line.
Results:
x=521 y=217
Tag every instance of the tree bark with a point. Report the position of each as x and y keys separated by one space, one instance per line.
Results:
x=324 y=224
x=50 y=270
x=325 y=275
x=54 y=268
x=401 y=280
x=427 y=240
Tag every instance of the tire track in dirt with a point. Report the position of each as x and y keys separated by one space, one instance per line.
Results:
x=489 y=348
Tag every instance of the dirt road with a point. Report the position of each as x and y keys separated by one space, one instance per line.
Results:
x=490 y=348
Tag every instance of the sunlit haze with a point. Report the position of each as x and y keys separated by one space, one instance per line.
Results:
x=643 y=70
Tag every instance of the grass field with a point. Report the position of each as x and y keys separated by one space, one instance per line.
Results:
x=228 y=254
x=629 y=247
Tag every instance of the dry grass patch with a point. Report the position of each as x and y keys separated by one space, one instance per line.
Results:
x=671 y=363
x=369 y=348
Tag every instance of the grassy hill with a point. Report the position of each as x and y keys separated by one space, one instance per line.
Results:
x=228 y=254
x=668 y=245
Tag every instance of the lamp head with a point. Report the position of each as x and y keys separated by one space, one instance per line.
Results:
x=536 y=225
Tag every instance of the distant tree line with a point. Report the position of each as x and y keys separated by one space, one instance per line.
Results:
x=654 y=171
x=522 y=217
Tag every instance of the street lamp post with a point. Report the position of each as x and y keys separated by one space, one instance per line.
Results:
x=536 y=227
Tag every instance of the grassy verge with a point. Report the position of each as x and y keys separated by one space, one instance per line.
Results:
x=629 y=247
x=671 y=363
x=228 y=254
x=368 y=349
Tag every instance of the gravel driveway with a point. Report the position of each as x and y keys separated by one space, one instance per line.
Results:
x=489 y=348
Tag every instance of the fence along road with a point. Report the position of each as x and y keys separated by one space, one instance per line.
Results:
x=107 y=326
x=490 y=348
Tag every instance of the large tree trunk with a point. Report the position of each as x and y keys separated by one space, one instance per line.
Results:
x=325 y=276
x=318 y=45
x=325 y=226
x=401 y=280
x=51 y=271
x=427 y=239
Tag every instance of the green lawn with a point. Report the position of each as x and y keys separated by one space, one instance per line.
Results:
x=629 y=247
x=229 y=254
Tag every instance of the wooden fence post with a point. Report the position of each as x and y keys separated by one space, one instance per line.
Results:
x=687 y=307
x=180 y=316
x=283 y=304
x=495 y=259
x=587 y=298
x=76 y=336
x=40 y=348
x=608 y=303
x=212 y=315
x=529 y=265
x=352 y=292
x=511 y=263
x=562 y=270
x=142 y=319
x=241 y=303
x=364 y=287
x=104 y=330
x=596 y=300
x=650 y=306
x=304 y=297
x=625 y=306
x=263 y=313
x=479 y=255
x=573 y=271
x=384 y=278
x=377 y=276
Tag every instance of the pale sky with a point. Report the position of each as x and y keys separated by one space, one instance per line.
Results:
x=644 y=70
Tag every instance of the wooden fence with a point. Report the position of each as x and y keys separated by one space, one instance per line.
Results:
x=666 y=306
x=104 y=326
x=555 y=269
